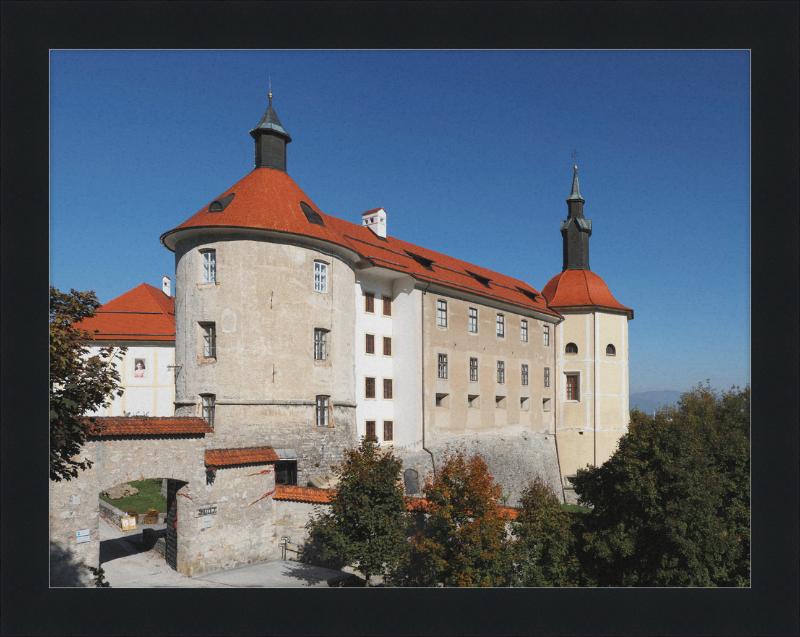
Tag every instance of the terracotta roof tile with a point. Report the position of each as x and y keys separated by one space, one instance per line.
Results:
x=581 y=288
x=144 y=313
x=269 y=199
x=243 y=455
x=302 y=494
x=146 y=426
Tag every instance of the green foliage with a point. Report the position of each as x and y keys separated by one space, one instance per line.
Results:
x=99 y=577
x=544 y=547
x=149 y=497
x=78 y=382
x=366 y=525
x=672 y=505
x=464 y=542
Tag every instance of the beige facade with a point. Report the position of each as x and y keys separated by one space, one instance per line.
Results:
x=497 y=401
x=592 y=386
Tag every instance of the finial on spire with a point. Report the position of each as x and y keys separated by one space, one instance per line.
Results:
x=575 y=158
x=270 y=89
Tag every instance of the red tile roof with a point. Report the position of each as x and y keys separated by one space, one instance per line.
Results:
x=269 y=199
x=302 y=494
x=146 y=426
x=581 y=288
x=144 y=313
x=243 y=455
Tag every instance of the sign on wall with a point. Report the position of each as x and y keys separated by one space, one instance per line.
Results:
x=203 y=511
x=83 y=536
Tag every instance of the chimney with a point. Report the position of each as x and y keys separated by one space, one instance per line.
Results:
x=165 y=285
x=375 y=220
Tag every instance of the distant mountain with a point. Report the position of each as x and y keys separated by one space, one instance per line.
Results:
x=650 y=401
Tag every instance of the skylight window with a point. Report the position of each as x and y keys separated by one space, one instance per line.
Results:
x=480 y=279
x=218 y=205
x=425 y=263
x=311 y=214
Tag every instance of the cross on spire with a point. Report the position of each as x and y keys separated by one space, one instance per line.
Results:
x=575 y=158
x=270 y=89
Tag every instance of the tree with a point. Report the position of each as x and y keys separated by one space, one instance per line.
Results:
x=366 y=525
x=672 y=505
x=544 y=546
x=79 y=383
x=464 y=542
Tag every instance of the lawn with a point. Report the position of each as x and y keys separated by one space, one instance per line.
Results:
x=575 y=508
x=149 y=497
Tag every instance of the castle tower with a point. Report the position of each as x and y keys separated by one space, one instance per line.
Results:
x=591 y=344
x=271 y=140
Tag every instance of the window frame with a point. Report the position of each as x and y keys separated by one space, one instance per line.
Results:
x=523 y=330
x=473 y=370
x=367 y=427
x=473 y=320
x=501 y=372
x=208 y=403
x=523 y=374
x=323 y=408
x=208 y=266
x=546 y=335
x=573 y=389
x=567 y=348
x=369 y=385
x=321 y=277
x=387 y=341
x=369 y=302
x=388 y=430
x=546 y=377
x=442 y=366
x=613 y=349
x=441 y=313
x=387 y=303
x=320 y=344
x=208 y=334
x=369 y=338
x=500 y=328
x=390 y=387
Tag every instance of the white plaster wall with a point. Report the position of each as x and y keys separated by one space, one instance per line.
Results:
x=407 y=364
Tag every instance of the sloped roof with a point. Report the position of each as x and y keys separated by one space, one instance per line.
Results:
x=581 y=288
x=144 y=313
x=146 y=426
x=242 y=455
x=269 y=199
x=302 y=494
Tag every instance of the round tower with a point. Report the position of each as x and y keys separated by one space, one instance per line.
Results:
x=592 y=352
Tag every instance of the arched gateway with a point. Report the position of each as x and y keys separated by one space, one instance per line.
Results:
x=123 y=449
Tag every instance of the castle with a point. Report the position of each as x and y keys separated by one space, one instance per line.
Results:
x=298 y=333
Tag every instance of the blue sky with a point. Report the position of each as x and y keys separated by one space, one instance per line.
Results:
x=469 y=152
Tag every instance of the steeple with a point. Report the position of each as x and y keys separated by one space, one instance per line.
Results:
x=576 y=230
x=271 y=140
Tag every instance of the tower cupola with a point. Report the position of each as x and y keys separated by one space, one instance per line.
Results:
x=271 y=140
x=576 y=230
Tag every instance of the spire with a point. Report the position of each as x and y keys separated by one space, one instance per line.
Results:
x=576 y=230
x=271 y=139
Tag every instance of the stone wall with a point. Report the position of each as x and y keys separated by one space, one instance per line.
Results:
x=513 y=460
x=291 y=519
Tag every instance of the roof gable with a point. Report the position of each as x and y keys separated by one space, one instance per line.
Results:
x=144 y=313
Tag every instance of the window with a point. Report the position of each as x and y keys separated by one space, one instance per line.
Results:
x=473 y=401
x=547 y=377
x=441 y=313
x=501 y=326
x=545 y=404
x=369 y=388
x=611 y=350
x=525 y=403
x=501 y=372
x=209 y=340
x=320 y=277
x=387 y=389
x=524 y=375
x=523 y=331
x=311 y=214
x=387 y=305
x=443 y=400
x=371 y=430
x=388 y=430
x=499 y=402
x=571 y=348
x=209 y=401
x=473 y=320
x=369 y=302
x=442 y=365
x=546 y=336
x=473 y=369
x=387 y=345
x=320 y=339
x=286 y=472
x=369 y=343
x=323 y=407
x=209 y=266
x=573 y=388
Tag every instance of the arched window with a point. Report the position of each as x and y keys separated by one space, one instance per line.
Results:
x=571 y=348
x=611 y=350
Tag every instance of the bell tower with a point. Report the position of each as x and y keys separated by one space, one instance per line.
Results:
x=271 y=140
x=576 y=230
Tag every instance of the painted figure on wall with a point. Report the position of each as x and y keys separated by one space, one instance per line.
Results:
x=140 y=371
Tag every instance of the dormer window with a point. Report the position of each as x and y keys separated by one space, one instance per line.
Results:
x=425 y=263
x=219 y=205
x=480 y=279
x=311 y=214
x=531 y=295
